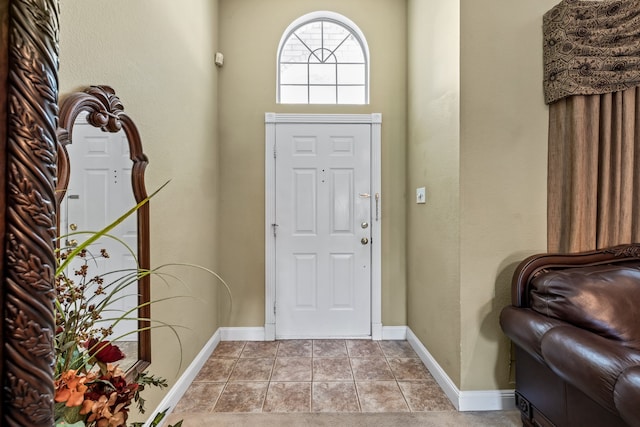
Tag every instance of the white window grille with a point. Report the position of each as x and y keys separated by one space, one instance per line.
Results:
x=323 y=58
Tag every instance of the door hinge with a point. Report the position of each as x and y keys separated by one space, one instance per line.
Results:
x=274 y=152
x=275 y=227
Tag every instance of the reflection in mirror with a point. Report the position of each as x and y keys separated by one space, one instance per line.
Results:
x=101 y=176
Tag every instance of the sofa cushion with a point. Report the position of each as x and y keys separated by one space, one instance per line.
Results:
x=591 y=363
x=627 y=395
x=603 y=299
x=526 y=328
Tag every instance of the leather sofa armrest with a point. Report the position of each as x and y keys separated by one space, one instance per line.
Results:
x=626 y=395
x=526 y=328
x=589 y=361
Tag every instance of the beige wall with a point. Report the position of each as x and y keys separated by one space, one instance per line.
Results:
x=250 y=31
x=158 y=55
x=486 y=184
x=503 y=164
x=433 y=240
x=503 y=167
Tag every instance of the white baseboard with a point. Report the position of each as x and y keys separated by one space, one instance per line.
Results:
x=242 y=334
x=487 y=400
x=395 y=333
x=479 y=400
x=176 y=392
x=378 y=332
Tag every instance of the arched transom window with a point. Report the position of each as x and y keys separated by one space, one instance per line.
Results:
x=323 y=58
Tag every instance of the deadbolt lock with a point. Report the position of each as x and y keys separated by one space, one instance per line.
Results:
x=364 y=224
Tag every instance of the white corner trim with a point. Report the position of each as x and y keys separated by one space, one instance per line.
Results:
x=242 y=334
x=176 y=392
x=487 y=400
x=394 y=333
x=477 y=400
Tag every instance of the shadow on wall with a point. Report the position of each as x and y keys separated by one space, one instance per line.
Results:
x=504 y=369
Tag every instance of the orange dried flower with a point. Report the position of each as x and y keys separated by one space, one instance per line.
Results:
x=70 y=388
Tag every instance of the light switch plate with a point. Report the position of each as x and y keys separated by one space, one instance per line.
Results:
x=421 y=195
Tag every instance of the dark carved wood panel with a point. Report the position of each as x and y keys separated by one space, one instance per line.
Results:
x=30 y=214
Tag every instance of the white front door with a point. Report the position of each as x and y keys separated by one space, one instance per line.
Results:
x=323 y=212
x=99 y=191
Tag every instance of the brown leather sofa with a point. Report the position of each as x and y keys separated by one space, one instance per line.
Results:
x=575 y=325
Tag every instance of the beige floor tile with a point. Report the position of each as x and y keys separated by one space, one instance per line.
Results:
x=252 y=370
x=381 y=396
x=242 y=397
x=288 y=397
x=363 y=348
x=292 y=369
x=408 y=369
x=295 y=348
x=215 y=370
x=425 y=396
x=329 y=348
x=199 y=398
x=371 y=369
x=259 y=349
x=332 y=369
x=399 y=349
x=313 y=376
x=334 y=397
x=230 y=349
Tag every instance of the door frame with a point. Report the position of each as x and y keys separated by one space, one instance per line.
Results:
x=271 y=120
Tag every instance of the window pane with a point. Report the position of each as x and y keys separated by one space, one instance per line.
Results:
x=322 y=95
x=311 y=35
x=322 y=74
x=293 y=74
x=350 y=51
x=293 y=94
x=351 y=95
x=334 y=34
x=351 y=74
x=294 y=51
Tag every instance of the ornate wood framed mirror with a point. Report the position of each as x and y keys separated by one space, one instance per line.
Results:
x=28 y=118
x=101 y=169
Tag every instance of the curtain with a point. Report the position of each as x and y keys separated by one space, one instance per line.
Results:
x=594 y=171
x=592 y=85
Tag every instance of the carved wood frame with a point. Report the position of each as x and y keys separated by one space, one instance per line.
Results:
x=28 y=120
x=105 y=111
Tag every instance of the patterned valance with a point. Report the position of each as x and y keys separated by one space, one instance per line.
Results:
x=591 y=47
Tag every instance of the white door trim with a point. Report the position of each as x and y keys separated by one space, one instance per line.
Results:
x=375 y=120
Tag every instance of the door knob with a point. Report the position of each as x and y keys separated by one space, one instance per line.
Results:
x=364 y=224
x=364 y=240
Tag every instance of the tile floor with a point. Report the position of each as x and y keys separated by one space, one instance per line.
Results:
x=313 y=376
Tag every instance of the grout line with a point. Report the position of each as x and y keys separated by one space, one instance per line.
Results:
x=215 y=401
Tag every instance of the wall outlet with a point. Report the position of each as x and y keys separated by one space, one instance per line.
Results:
x=421 y=195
